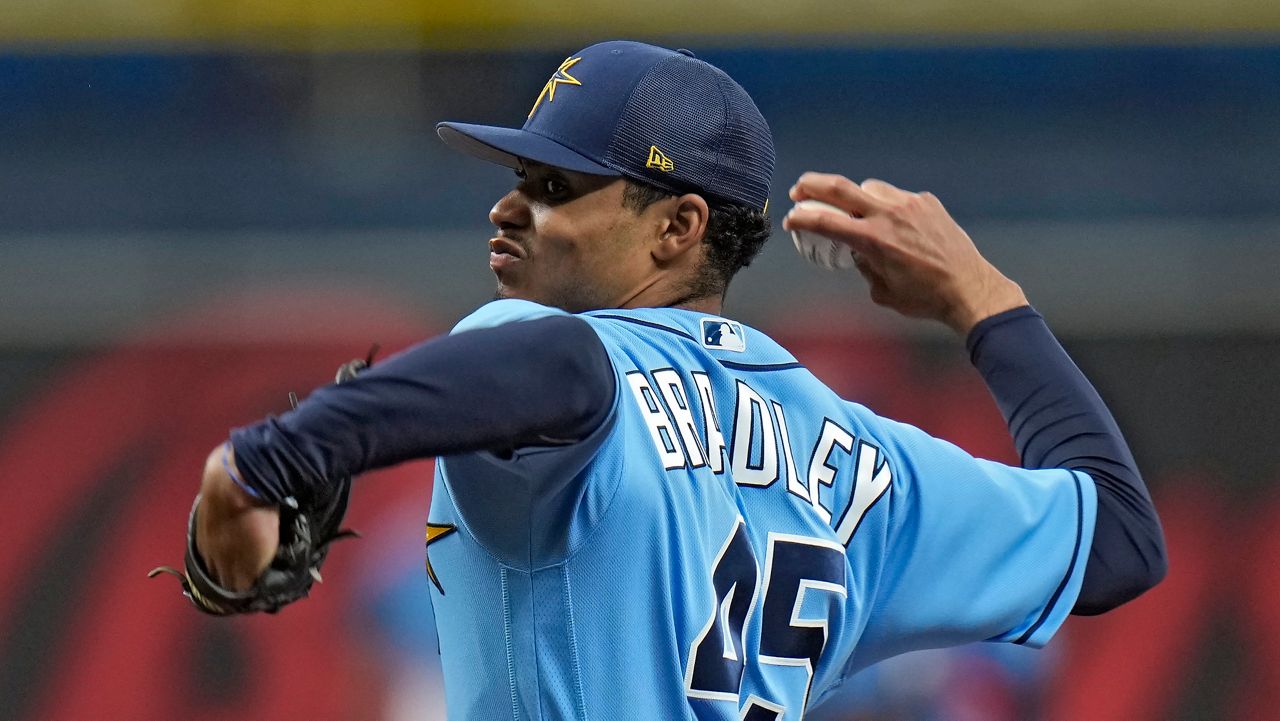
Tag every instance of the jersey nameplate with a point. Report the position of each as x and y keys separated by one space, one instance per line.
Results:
x=757 y=447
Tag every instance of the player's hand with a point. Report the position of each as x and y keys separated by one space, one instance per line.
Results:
x=236 y=534
x=917 y=260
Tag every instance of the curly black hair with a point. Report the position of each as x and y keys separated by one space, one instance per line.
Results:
x=735 y=234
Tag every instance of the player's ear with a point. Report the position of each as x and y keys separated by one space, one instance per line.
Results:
x=683 y=227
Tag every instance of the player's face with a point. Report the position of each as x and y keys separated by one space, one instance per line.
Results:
x=564 y=239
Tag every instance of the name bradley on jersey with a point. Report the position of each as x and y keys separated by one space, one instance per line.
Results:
x=759 y=429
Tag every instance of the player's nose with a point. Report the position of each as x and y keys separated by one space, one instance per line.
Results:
x=510 y=212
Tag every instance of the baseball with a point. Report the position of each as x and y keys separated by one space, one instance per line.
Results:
x=821 y=250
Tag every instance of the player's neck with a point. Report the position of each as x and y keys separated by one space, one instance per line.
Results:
x=708 y=304
x=701 y=304
x=664 y=291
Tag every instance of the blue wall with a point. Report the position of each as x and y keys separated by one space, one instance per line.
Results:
x=217 y=142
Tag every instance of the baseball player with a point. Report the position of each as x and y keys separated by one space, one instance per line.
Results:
x=644 y=509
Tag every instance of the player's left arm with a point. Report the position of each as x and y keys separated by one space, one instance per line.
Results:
x=919 y=262
x=1058 y=420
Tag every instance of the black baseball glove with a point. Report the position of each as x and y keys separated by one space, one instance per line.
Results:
x=306 y=531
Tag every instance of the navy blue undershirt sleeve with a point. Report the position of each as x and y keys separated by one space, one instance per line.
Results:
x=1058 y=420
x=529 y=383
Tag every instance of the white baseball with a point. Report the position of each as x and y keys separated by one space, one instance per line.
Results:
x=819 y=249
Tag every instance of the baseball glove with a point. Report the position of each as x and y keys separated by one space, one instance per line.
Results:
x=306 y=531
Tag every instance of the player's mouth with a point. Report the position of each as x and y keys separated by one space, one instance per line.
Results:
x=504 y=253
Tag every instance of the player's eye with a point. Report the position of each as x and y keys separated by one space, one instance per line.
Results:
x=554 y=186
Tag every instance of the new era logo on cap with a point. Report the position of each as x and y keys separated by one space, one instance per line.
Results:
x=658 y=159
x=721 y=334
x=623 y=108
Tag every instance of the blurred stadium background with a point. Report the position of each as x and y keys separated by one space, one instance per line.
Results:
x=206 y=204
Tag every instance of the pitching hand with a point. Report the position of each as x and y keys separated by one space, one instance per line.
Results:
x=917 y=260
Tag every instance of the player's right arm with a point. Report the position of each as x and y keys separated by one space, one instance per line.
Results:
x=513 y=375
x=919 y=262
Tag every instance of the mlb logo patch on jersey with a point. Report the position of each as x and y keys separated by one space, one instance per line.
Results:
x=721 y=334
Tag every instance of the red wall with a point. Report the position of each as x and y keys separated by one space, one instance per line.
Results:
x=100 y=463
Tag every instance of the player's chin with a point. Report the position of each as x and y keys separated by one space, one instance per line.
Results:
x=508 y=290
x=507 y=273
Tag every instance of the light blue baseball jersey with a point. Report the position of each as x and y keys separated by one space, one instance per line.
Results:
x=731 y=543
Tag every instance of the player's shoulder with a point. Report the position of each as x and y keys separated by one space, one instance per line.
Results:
x=503 y=311
x=730 y=341
x=733 y=343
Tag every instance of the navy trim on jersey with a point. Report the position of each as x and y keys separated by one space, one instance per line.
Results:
x=646 y=323
x=758 y=367
x=1071 y=568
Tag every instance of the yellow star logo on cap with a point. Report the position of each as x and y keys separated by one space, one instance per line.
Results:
x=560 y=77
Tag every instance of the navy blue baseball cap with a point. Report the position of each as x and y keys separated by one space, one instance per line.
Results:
x=624 y=108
